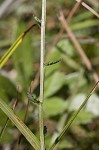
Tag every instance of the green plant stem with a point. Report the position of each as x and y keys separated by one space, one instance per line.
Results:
x=72 y=118
x=41 y=122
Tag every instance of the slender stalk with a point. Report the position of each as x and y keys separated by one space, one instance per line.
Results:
x=72 y=118
x=41 y=124
x=74 y=9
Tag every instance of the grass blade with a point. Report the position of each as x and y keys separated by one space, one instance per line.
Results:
x=72 y=118
x=31 y=138
x=4 y=127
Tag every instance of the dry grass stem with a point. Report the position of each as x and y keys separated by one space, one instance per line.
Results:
x=70 y=15
x=74 y=9
x=89 y=8
x=78 y=46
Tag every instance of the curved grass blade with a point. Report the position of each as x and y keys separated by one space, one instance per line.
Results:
x=14 y=46
x=4 y=127
x=31 y=138
x=73 y=118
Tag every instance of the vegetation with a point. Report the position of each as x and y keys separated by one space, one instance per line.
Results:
x=47 y=78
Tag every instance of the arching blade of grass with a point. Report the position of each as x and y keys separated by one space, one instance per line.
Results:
x=14 y=46
x=4 y=127
x=72 y=118
x=32 y=139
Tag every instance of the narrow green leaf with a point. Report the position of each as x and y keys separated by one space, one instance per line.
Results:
x=73 y=118
x=32 y=139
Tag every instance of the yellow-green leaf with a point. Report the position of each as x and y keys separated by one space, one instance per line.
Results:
x=14 y=46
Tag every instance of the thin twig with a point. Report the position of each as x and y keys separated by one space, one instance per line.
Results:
x=69 y=17
x=78 y=46
x=74 y=9
x=89 y=8
x=41 y=122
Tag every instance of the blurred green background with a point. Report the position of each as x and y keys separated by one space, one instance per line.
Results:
x=67 y=83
